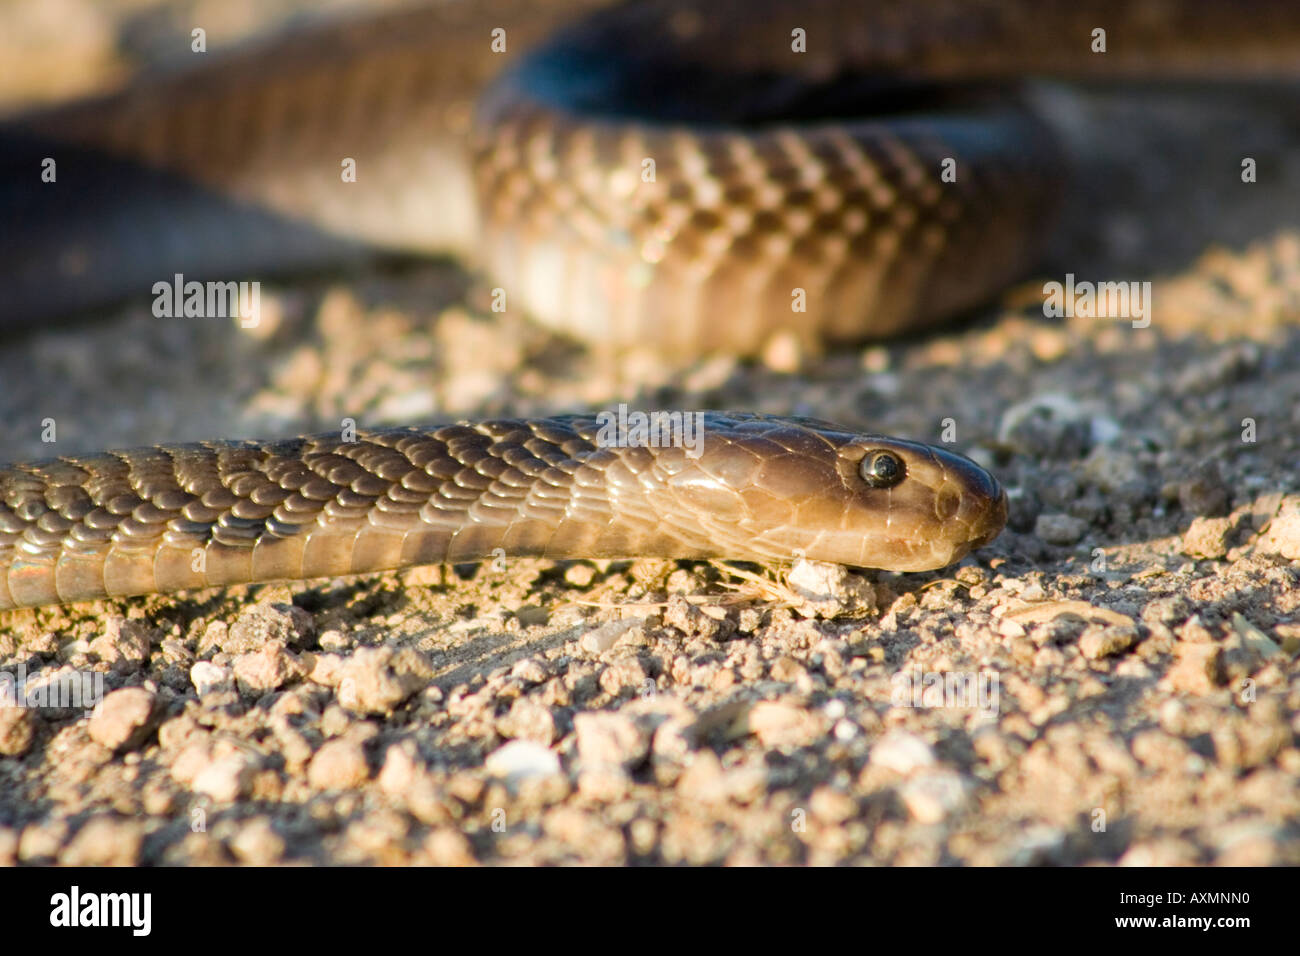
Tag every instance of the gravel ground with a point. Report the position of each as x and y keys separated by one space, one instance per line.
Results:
x=1114 y=680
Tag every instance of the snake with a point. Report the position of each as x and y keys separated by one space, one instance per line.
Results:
x=749 y=487
x=696 y=176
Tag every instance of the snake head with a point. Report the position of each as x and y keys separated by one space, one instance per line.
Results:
x=870 y=501
x=776 y=489
x=907 y=506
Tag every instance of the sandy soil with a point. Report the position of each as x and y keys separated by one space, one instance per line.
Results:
x=1130 y=642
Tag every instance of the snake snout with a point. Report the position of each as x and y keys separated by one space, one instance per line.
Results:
x=969 y=502
x=986 y=511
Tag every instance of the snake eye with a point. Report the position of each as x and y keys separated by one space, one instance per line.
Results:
x=882 y=469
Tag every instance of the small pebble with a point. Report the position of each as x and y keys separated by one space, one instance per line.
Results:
x=1060 y=529
x=376 y=680
x=830 y=590
x=123 y=719
x=610 y=739
x=902 y=752
x=1207 y=537
x=17 y=730
x=933 y=797
x=340 y=764
x=104 y=841
x=208 y=677
x=1099 y=642
x=225 y=779
x=522 y=760
x=1283 y=533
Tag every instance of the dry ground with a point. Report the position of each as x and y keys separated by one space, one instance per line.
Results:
x=1137 y=626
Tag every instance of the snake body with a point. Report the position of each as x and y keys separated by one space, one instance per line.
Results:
x=693 y=176
x=173 y=517
x=696 y=176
